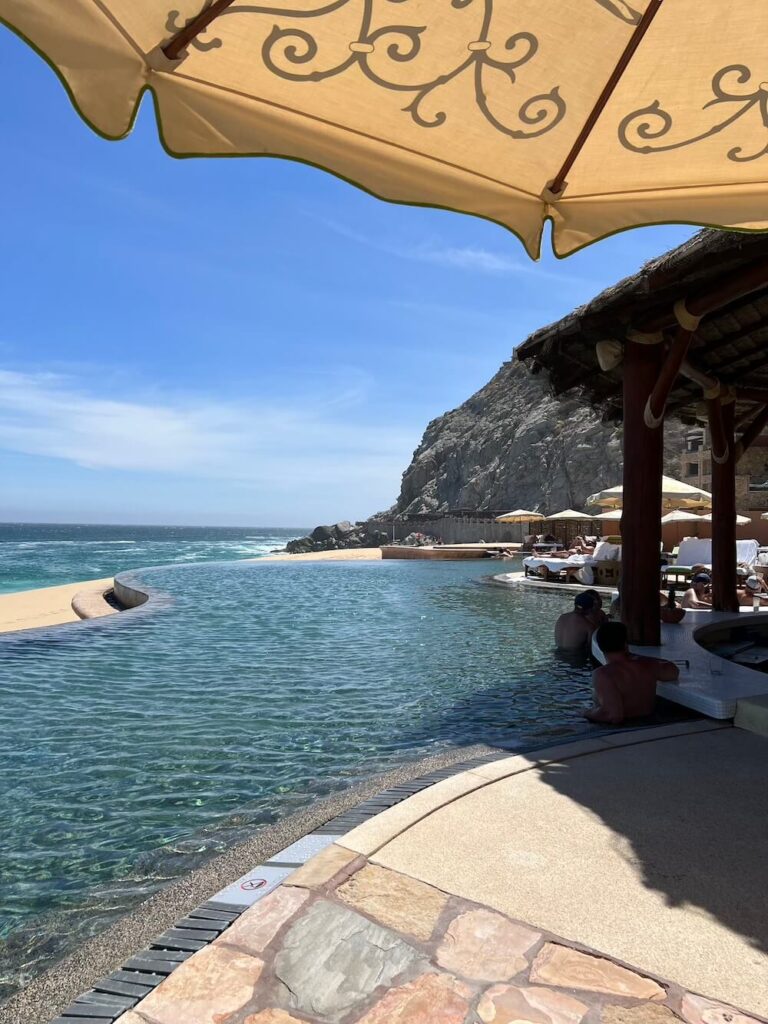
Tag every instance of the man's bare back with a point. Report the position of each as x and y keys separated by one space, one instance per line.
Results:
x=625 y=687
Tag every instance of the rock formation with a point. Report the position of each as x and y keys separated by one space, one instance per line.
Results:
x=514 y=445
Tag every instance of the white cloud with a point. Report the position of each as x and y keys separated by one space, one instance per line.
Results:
x=320 y=443
x=470 y=258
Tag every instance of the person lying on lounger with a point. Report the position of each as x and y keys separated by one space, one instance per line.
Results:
x=625 y=687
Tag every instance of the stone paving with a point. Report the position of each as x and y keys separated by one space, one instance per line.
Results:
x=344 y=941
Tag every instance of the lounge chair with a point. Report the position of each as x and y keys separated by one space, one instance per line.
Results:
x=695 y=552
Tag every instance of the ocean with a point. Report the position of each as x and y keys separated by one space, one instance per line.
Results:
x=44 y=555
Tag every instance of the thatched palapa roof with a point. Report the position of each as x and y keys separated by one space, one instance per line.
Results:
x=731 y=342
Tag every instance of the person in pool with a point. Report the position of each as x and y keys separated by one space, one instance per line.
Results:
x=753 y=587
x=697 y=596
x=573 y=630
x=625 y=687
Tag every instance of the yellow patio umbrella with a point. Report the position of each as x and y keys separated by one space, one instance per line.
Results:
x=484 y=106
x=674 y=495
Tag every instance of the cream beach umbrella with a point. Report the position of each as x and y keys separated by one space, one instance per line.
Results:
x=483 y=106
x=569 y=514
x=680 y=516
x=674 y=495
x=613 y=515
x=740 y=520
x=520 y=515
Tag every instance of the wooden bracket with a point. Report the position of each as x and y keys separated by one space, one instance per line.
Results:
x=720 y=449
x=752 y=432
x=657 y=400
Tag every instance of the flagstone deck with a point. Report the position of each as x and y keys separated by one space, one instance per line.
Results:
x=619 y=880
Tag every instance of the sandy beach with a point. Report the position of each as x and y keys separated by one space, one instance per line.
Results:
x=345 y=555
x=52 y=606
x=49 y=606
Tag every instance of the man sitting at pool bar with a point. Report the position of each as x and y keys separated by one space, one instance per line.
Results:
x=625 y=687
x=697 y=596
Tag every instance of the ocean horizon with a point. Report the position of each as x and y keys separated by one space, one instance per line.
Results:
x=34 y=555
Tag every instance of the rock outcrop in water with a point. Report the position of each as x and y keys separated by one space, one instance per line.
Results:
x=514 y=445
x=340 y=535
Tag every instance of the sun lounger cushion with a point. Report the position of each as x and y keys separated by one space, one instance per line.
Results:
x=606 y=552
x=695 y=551
x=554 y=564
x=698 y=551
x=747 y=552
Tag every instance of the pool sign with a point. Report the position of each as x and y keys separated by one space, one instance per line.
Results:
x=253 y=883
x=249 y=888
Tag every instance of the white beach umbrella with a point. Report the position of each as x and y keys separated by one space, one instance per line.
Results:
x=520 y=515
x=613 y=515
x=740 y=520
x=569 y=514
x=680 y=516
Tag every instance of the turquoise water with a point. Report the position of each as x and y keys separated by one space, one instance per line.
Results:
x=133 y=747
x=44 y=555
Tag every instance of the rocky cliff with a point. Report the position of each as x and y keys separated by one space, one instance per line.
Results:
x=513 y=445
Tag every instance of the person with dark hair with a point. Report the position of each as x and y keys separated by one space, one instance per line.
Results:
x=596 y=615
x=697 y=595
x=625 y=687
x=573 y=630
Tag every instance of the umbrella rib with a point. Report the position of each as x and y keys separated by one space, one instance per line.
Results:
x=559 y=182
x=184 y=37
x=207 y=84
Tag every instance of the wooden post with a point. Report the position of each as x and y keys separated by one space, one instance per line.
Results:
x=723 y=507
x=641 y=519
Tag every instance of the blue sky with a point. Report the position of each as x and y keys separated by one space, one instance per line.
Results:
x=236 y=342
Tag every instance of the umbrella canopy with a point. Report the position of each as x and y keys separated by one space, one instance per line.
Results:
x=679 y=516
x=482 y=106
x=740 y=520
x=613 y=515
x=568 y=514
x=520 y=516
x=674 y=495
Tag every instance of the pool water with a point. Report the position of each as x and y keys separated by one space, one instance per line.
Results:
x=132 y=748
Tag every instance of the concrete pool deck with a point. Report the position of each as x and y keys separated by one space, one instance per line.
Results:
x=619 y=879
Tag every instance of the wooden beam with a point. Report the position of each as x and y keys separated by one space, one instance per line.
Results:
x=752 y=432
x=699 y=302
x=751 y=394
x=641 y=522
x=723 y=509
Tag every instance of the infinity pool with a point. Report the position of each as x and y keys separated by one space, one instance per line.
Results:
x=133 y=747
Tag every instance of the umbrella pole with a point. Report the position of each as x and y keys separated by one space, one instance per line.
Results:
x=721 y=418
x=641 y=525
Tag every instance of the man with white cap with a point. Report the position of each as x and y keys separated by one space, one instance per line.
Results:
x=753 y=588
